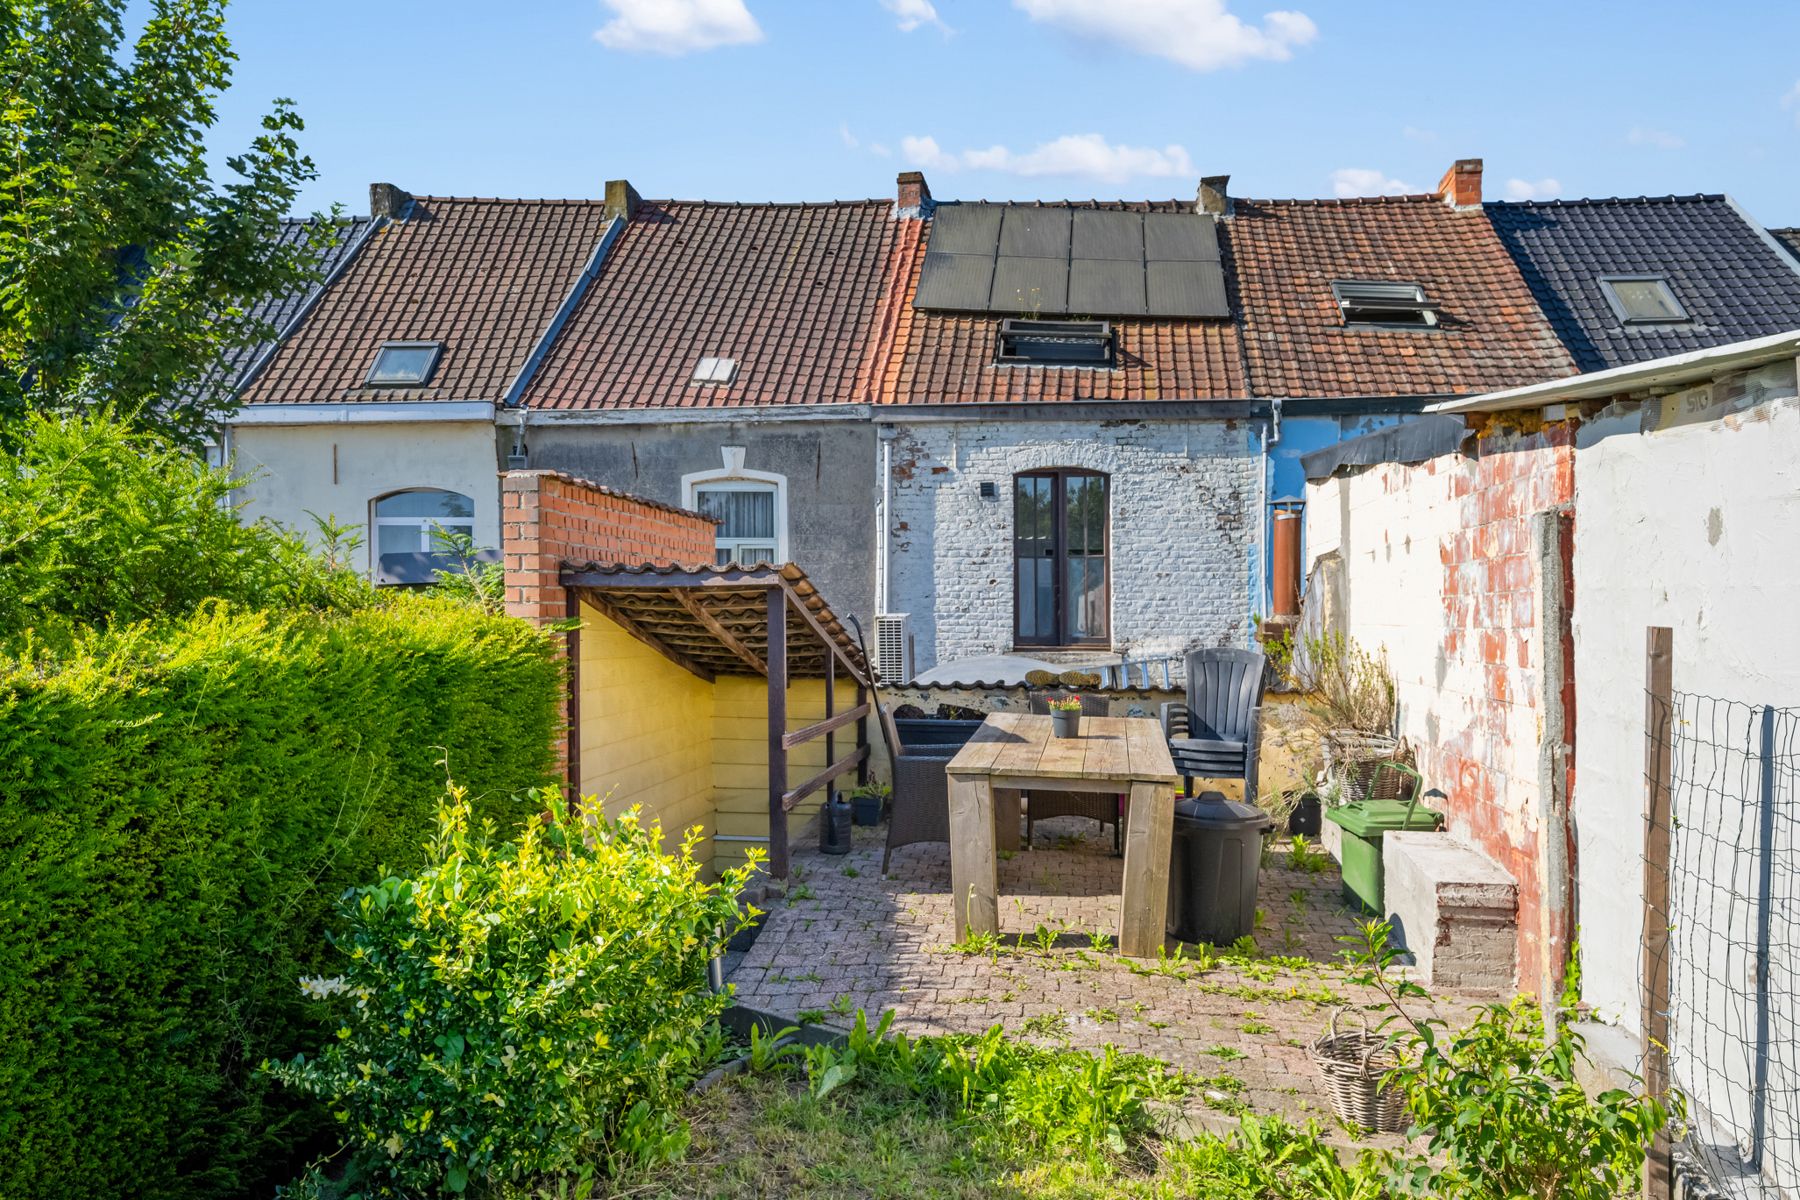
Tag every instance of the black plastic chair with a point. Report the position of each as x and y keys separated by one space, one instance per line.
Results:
x=1217 y=734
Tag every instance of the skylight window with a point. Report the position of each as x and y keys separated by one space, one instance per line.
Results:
x=1376 y=302
x=716 y=370
x=1056 y=343
x=1642 y=300
x=403 y=364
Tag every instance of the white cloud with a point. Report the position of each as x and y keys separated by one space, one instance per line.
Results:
x=910 y=14
x=849 y=138
x=1533 y=189
x=1791 y=101
x=676 y=26
x=1366 y=181
x=1082 y=155
x=1200 y=34
x=1660 y=139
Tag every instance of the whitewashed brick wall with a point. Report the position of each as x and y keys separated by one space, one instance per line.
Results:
x=1184 y=523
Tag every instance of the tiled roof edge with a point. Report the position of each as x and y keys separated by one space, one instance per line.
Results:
x=1783 y=254
x=1598 y=201
x=365 y=228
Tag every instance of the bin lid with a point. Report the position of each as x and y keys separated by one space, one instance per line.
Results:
x=1372 y=818
x=1211 y=810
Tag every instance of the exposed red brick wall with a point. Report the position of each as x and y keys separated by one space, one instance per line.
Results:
x=548 y=518
x=1493 y=631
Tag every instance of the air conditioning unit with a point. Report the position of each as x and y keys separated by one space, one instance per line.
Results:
x=890 y=647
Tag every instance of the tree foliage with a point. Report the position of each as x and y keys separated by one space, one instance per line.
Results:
x=126 y=271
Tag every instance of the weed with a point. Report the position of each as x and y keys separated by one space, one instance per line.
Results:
x=1100 y=943
x=984 y=942
x=842 y=1006
x=1302 y=857
x=809 y=977
x=1102 y=1016
x=1254 y=1027
x=1051 y=1024
x=1225 y=1053
x=799 y=892
x=851 y=872
x=810 y=1016
x=1298 y=899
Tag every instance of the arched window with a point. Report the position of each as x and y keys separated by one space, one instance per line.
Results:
x=411 y=545
x=1060 y=591
x=751 y=508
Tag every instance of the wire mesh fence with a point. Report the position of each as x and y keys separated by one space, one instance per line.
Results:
x=1731 y=876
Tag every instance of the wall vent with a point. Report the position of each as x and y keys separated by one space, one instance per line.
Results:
x=890 y=648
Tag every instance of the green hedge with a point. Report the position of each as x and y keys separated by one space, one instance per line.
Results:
x=179 y=810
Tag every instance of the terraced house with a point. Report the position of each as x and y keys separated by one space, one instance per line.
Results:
x=999 y=435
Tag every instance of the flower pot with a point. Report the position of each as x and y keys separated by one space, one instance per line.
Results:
x=834 y=826
x=1065 y=723
x=1306 y=819
x=865 y=810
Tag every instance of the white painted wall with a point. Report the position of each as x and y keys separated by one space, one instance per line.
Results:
x=1184 y=527
x=338 y=470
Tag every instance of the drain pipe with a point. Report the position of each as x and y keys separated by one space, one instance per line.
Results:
x=882 y=588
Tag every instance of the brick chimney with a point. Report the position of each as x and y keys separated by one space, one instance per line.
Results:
x=1461 y=185
x=1213 y=199
x=386 y=200
x=912 y=196
x=621 y=199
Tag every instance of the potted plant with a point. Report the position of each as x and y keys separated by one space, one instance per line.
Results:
x=1352 y=693
x=1065 y=716
x=868 y=801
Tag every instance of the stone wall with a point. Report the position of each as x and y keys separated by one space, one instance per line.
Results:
x=1185 y=529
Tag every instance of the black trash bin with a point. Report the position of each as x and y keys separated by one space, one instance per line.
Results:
x=1215 y=853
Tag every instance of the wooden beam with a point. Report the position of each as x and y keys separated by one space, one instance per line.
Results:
x=617 y=617
x=824 y=636
x=801 y=736
x=777 y=675
x=604 y=577
x=1659 y=755
x=572 y=712
x=862 y=733
x=842 y=766
x=726 y=638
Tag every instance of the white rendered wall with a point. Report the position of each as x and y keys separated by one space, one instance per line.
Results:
x=338 y=470
x=1184 y=527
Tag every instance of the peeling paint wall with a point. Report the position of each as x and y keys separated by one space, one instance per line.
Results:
x=1441 y=573
x=1184 y=529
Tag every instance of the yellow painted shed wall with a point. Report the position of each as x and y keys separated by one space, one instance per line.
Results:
x=646 y=732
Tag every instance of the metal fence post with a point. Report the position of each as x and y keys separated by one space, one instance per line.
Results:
x=1659 y=748
x=1765 y=912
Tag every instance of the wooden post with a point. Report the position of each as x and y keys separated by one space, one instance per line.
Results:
x=974 y=868
x=1659 y=753
x=778 y=665
x=862 y=734
x=830 y=711
x=572 y=709
x=1144 y=900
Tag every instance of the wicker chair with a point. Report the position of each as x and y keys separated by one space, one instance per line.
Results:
x=1217 y=734
x=1105 y=807
x=919 y=810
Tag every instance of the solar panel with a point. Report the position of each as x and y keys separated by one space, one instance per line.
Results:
x=955 y=281
x=965 y=229
x=1108 y=235
x=1027 y=232
x=1179 y=237
x=1109 y=286
x=1186 y=289
x=1030 y=285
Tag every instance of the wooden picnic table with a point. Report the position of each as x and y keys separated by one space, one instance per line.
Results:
x=1014 y=752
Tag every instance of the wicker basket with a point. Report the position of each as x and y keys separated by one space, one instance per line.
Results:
x=1352 y=1065
x=1370 y=766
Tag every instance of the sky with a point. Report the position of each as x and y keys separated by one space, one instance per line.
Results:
x=1021 y=99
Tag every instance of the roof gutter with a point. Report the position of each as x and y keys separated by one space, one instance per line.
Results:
x=539 y=352
x=1672 y=372
x=357 y=412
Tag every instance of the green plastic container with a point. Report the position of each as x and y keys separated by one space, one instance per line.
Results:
x=1365 y=823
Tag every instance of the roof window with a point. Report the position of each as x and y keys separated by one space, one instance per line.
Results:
x=1056 y=343
x=1375 y=302
x=715 y=370
x=1642 y=300
x=403 y=364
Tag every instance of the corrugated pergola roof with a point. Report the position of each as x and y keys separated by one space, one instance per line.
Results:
x=715 y=620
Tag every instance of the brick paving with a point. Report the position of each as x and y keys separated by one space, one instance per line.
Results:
x=847 y=938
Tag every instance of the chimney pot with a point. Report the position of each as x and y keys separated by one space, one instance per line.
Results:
x=912 y=196
x=1213 y=198
x=621 y=199
x=1461 y=185
x=386 y=200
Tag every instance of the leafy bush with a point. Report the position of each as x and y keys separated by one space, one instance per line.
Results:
x=518 y=1013
x=1353 y=689
x=101 y=525
x=179 y=808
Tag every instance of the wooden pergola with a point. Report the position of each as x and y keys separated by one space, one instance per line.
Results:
x=763 y=621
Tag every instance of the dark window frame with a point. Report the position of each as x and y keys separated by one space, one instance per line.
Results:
x=1016 y=334
x=424 y=377
x=1059 y=477
x=1624 y=315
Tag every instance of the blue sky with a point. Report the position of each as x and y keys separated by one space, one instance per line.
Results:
x=1007 y=99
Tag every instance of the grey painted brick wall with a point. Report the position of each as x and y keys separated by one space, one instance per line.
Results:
x=1184 y=518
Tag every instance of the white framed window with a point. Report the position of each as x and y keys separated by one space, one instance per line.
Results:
x=410 y=528
x=750 y=506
